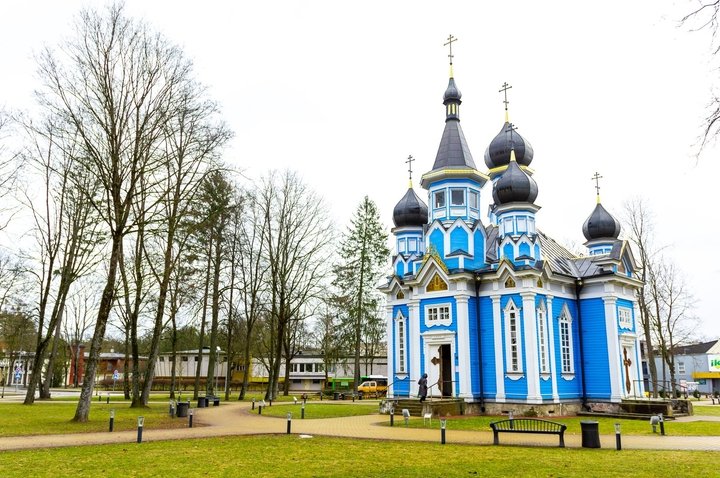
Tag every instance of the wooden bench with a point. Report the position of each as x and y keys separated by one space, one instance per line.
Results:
x=528 y=425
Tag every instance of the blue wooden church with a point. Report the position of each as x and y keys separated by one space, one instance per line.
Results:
x=493 y=310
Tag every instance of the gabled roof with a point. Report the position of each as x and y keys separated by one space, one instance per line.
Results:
x=694 y=349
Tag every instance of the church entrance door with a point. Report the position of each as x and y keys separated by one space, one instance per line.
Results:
x=446 y=385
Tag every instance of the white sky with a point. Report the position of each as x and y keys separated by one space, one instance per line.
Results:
x=344 y=91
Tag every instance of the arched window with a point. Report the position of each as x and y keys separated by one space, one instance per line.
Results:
x=542 y=339
x=566 y=341
x=400 y=349
x=513 y=339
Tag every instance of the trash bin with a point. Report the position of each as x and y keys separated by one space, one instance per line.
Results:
x=216 y=401
x=182 y=409
x=590 y=434
x=202 y=402
x=336 y=395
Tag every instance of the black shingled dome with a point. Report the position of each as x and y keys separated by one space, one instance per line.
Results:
x=601 y=225
x=514 y=186
x=410 y=211
x=498 y=153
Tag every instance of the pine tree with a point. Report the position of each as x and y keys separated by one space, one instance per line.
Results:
x=363 y=255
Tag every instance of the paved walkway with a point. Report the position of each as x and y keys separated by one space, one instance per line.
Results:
x=235 y=418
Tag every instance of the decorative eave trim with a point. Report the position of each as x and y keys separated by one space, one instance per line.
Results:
x=445 y=173
x=501 y=169
x=516 y=206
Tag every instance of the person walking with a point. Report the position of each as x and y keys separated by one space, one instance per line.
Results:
x=422 y=389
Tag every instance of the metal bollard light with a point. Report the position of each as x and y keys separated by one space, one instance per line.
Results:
x=662 y=424
x=618 y=440
x=392 y=417
x=443 y=423
x=190 y=417
x=112 y=419
x=289 y=421
x=302 y=411
x=108 y=398
x=141 y=422
x=253 y=404
x=172 y=408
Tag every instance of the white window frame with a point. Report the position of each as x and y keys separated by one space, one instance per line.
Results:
x=473 y=200
x=565 y=328
x=401 y=348
x=522 y=224
x=513 y=339
x=438 y=314
x=402 y=246
x=453 y=192
x=412 y=245
x=680 y=367
x=437 y=195
x=543 y=351
x=625 y=317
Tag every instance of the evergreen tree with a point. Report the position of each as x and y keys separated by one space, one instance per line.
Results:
x=363 y=255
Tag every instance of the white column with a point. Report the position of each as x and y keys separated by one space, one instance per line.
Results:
x=614 y=364
x=551 y=344
x=532 y=370
x=414 y=342
x=463 y=346
x=499 y=356
x=391 y=348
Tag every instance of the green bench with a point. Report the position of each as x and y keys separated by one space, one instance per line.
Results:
x=528 y=425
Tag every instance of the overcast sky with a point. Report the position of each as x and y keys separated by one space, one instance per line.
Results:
x=343 y=92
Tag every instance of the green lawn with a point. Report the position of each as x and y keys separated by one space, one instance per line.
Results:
x=294 y=457
x=321 y=409
x=45 y=418
x=711 y=410
x=605 y=425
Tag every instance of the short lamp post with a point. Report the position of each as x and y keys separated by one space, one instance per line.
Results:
x=112 y=419
x=108 y=398
x=662 y=424
x=618 y=440
x=190 y=416
x=302 y=410
x=141 y=422
x=392 y=416
x=172 y=408
x=289 y=422
x=443 y=423
x=253 y=404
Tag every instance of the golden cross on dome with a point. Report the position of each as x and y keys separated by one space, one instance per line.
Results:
x=409 y=162
x=504 y=89
x=597 y=179
x=450 y=40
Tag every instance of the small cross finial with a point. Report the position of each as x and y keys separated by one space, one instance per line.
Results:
x=450 y=40
x=504 y=89
x=409 y=161
x=596 y=177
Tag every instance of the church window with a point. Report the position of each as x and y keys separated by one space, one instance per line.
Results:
x=400 y=295
x=508 y=225
x=437 y=315
x=542 y=339
x=402 y=248
x=531 y=225
x=401 y=356
x=473 y=200
x=522 y=224
x=457 y=197
x=509 y=283
x=681 y=367
x=439 y=199
x=436 y=284
x=625 y=317
x=412 y=245
x=513 y=339
x=566 y=353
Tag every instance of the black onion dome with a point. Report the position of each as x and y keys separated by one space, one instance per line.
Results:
x=452 y=93
x=514 y=186
x=601 y=224
x=410 y=211
x=498 y=153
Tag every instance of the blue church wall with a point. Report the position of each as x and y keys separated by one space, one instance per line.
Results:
x=400 y=268
x=459 y=239
x=437 y=241
x=508 y=251
x=524 y=249
x=488 y=347
x=546 y=388
x=402 y=386
x=478 y=253
x=452 y=262
x=400 y=309
x=438 y=300
x=595 y=347
x=515 y=389
x=569 y=386
x=475 y=361
x=537 y=252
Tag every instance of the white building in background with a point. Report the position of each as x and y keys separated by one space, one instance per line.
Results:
x=697 y=366
x=187 y=363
